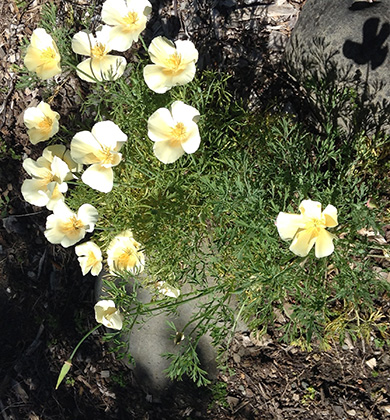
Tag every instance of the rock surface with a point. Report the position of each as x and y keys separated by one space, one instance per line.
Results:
x=355 y=34
x=152 y=336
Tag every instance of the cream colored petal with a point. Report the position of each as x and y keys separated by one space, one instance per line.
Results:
x=40 y=39
x=36 y=136
x=107 y=314
x=330 y=215
x=32 y=58
x=310 y=209
x=54 y=199
x=96 y=269
x=160 y=49
x=82 y=43
x=35 y=169
x=62 y=211
x=324 y=244
x=68 y=241
x=303 y=242
x=112 y=67
x=113 y=321
x=122 y=40
x=32 y=117
x=108 y=134
x=89 y=216
x=53 y=233
x=113 y=12
x=167 y=290
x=34 y=192
x=84 y=148
x=184 y=113
x=59 y=169
x=90 y=258
x=156 y=80
x=48 y=70
x=191 y=145
x=99 y=178
x=160 y=125
x=54 y=150
x=166 y=153
x=187 y=51
x=288 y=225
x=47 y=111
x=185 y=76
x=103 y=36
x=86 y=72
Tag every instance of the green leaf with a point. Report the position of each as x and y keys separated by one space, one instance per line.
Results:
x=65 y=369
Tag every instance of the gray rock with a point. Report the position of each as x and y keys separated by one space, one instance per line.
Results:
x=151 y=337
x=354 y=35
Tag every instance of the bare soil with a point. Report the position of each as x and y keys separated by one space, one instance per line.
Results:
x=45 y=303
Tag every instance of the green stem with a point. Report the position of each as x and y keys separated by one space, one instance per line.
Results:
x=143 y=43
x=83 y=339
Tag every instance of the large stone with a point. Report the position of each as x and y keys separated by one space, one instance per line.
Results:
x=151 y=337
x=354 y=35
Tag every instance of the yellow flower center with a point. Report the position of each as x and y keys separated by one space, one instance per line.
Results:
x=178 y=135
x=71 y=226
x=91 y=260
x=173 y=64
x=128 y=259
x=48 y=54
x=130 y=20
x=98 y=51
x=106 y=156
x=46 y=125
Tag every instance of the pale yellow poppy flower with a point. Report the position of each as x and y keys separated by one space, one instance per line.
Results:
x=309 y=228
x=100 y=149
x=67 y=228
x=50 y=173
x=42 y=55
x=41 y=121
x=128 y=19
x=167 y=290
x=90 y=258
x=100 y=66
x=174 y=64
x=124 y=255
x=107 y=314
x=174 y=131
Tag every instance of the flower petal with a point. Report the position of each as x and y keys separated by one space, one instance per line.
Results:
x=84 y=147
x=160 y=49
x=310 y=209
x=113 y=12
x=160 y=125
x=187 y=51
x=82 y=43
x=108 y=134
x=184 y=113
x=288 y=225
x=89 y=216
x=324 y=244
x=156 y=80
x=191 y=145
x=166 y=153
x=303 y=242
x=34 y=192
x=99 y=178
x=330 y=215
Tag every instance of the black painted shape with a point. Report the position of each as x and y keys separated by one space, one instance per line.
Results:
x=370 y=50
x=361 y=5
